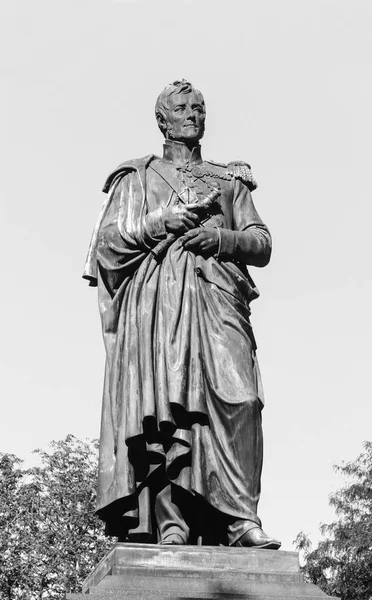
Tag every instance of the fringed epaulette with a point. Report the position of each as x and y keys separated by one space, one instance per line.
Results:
x=239 y=170
x=242 y=170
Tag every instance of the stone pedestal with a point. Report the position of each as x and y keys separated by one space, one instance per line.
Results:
x=151 y=572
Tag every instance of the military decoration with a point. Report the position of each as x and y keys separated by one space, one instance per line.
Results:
x=241 y=170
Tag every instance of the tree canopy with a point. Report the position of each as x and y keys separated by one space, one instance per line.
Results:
x=342 y=563
x=49 y=537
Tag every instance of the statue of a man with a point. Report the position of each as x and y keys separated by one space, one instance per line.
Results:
x=181 y=438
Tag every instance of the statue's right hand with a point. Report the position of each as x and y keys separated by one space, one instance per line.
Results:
x=178 y=218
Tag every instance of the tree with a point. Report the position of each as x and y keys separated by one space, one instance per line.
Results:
x=342 y=563
x=50 y=539
x=13 y=507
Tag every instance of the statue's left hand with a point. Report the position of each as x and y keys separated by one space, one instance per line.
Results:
x=201 y=240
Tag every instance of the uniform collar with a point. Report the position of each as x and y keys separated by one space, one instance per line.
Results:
x=179 y=154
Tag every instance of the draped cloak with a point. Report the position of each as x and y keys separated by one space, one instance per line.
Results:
x=182 y=391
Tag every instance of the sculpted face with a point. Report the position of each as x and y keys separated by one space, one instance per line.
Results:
x=185 y=118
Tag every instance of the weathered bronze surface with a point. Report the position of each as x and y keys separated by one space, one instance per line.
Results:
x=181 y=437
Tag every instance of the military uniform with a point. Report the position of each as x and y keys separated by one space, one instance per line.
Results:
x=181 y=419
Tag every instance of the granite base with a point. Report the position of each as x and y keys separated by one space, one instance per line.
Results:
x=152 y=572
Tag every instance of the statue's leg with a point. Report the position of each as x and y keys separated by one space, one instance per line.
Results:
x=237 y=528
x=250 y=451
x=172 y=527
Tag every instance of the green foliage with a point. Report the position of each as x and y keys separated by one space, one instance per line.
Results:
x=49 y=537
x=342 y=563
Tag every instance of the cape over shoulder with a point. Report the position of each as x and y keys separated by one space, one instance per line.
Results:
x=125 y=167
x=137 y=164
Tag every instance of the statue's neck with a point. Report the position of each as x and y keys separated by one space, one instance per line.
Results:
x=180 y=154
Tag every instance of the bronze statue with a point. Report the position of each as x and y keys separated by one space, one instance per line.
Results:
x=181 y=438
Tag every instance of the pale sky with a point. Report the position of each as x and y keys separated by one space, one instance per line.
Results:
x=288 y=87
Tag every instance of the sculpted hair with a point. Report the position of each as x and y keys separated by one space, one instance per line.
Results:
x=177 y=87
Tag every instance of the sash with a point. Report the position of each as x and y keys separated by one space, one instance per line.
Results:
x=184 y=194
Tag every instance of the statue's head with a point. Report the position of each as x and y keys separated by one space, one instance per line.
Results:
x=180 y=112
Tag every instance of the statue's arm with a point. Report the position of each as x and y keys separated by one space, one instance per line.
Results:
x=127 y=234
x=153 y=226
x=249 y=241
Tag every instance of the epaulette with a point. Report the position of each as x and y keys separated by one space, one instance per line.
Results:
x=239 y=170
x=242 y=170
